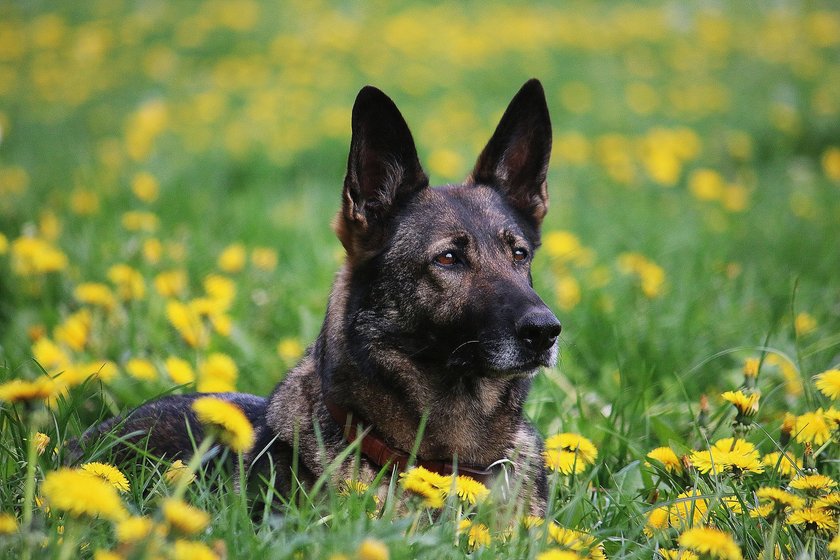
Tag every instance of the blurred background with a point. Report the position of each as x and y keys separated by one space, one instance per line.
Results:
x=695 y=179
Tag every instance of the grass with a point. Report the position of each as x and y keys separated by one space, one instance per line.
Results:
x=695 y=208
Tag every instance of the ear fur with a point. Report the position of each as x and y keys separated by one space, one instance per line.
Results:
x=515 y=160
x=382 y=169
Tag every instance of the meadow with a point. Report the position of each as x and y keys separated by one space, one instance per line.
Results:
x=168 y=176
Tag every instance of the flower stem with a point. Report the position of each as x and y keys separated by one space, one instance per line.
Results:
x=29 y=491
x=195 y=462
x=68 y=544
x=769 y=550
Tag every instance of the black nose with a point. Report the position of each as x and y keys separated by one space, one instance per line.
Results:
x=538 y=329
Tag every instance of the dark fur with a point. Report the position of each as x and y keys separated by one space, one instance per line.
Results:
x=408 y=329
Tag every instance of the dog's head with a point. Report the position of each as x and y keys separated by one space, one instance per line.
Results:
x=442 y=276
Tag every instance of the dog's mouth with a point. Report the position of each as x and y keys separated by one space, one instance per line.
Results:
x=501 y=358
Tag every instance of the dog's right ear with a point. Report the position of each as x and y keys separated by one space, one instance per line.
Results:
x=382 y=169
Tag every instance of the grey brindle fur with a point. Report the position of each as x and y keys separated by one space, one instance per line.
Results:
x=433 y=312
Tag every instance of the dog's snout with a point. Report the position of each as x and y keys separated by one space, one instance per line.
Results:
x=538 y=329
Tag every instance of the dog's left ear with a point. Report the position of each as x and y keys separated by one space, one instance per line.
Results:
x=515 y=160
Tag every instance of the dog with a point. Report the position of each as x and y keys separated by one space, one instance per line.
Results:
x=432 y=319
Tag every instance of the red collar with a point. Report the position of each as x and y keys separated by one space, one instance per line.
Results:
x=381 y=454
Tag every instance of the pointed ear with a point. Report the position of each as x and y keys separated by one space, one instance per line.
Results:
x=382 y=168
x=515 y=160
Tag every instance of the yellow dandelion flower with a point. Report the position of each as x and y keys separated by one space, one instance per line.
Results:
x=565 y=462
x=232 y=258
x=733 y=504
x=735 y=456
x=264 y=258
x=751 y=367
x=289 y=349
x=788 y=426
x=829 y=502
x=667 y=458
x=431 y=497
x=141 y=368
x=793 y=382
x=94 y=293
x=184 y=517
x=787 y=465
x=179 y=370
x=145 y=186
x=129 y=282
x=813 y=519
x=8 y=524
x=813 y=484
x=191 y=550
x=32 y=256
x=42 y=440
x=80 y=493
x=658 y=519
x=135 y=220
x=834 y=545
x=50 y=355
x=469 y=490
x=19 y=390
x=706 y=184
x=688 y=510
x=531 y=521
x=558 y=554
x=577 y=541
x=233 y=427
x=108 y=473
x=188 y=323
x=764 y=511
x=74 y=330
x=372 y=549
x=828 y=382
x=176 y=471
x=106 y=555
x=804 y=324
x=350 y=486
x=171 y=283
x=677 y=554
x=152 y=250
x=831 y=162
x=478 y=535
x=813 y=427
x=562 y=245
x=779 y=499
x=746 y=405
x=433 y=479
x=568 y=292
x=221 y=291
x=567 y=452
x=133 y=529
x=84 y=202
x=711 y=542
x=217 y=374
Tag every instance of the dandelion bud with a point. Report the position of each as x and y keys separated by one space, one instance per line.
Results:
x=42 y=440
x=808 y=462
x=788 y=425
x=746 y=405
x=751 y=366
x=703 y=417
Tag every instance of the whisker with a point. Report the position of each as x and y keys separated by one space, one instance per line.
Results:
x=462 y=345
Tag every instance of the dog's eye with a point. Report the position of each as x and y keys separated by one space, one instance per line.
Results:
x=447 y=258
x=520 y=254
